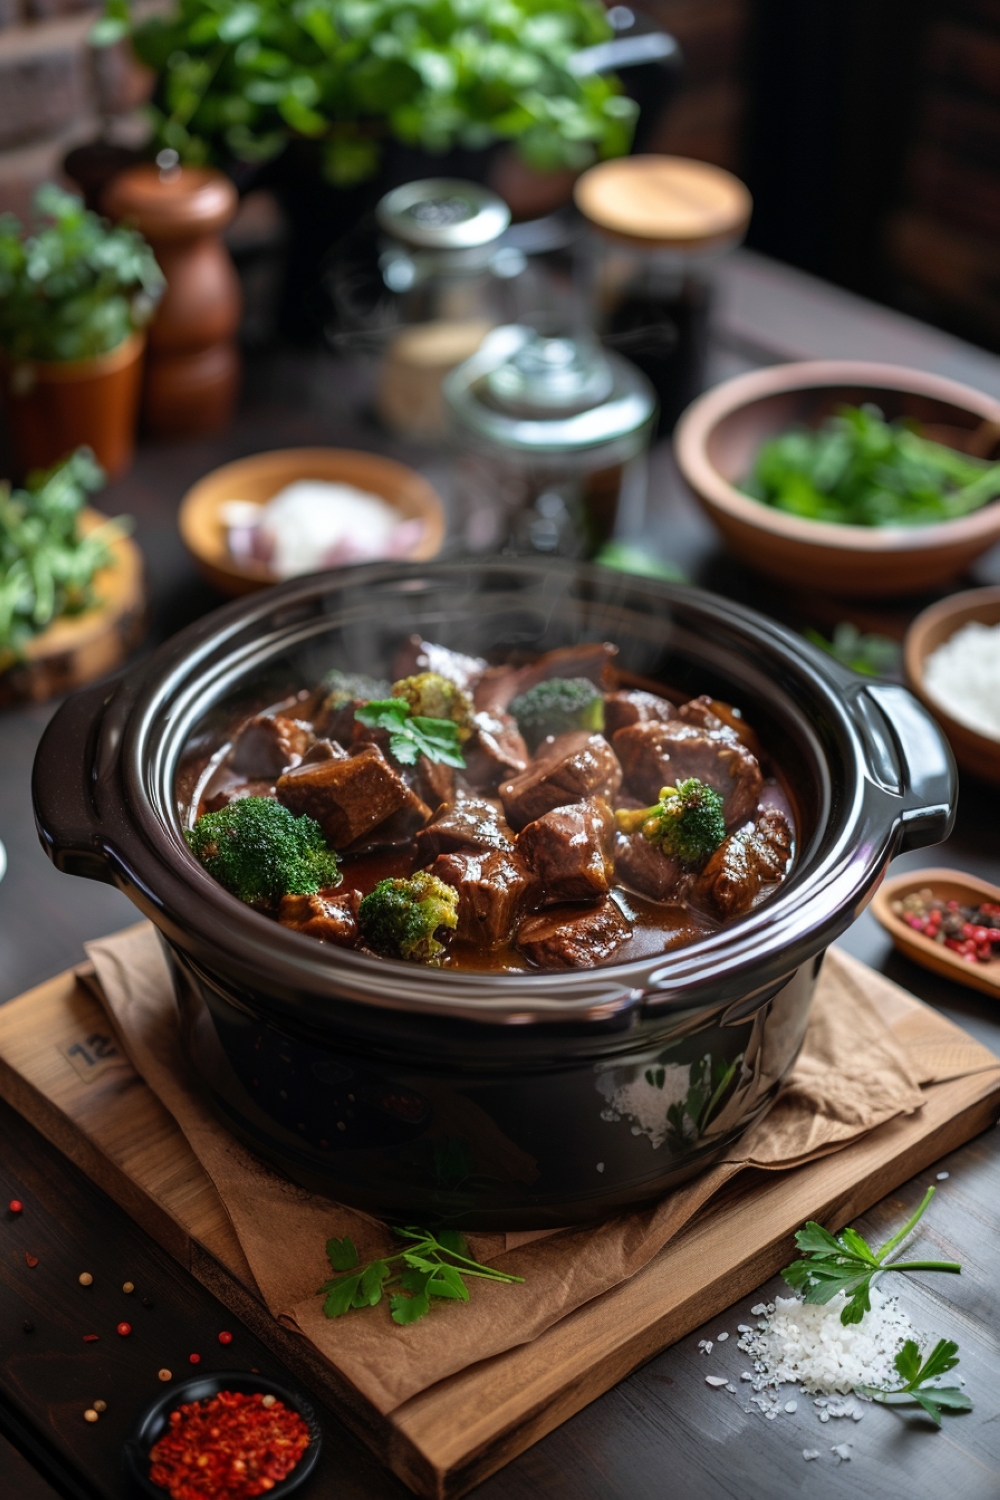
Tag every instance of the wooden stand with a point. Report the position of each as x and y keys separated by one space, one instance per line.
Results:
x=80 y=648
x=61 y=1068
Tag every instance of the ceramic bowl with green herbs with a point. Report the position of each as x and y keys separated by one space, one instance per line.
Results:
x=859 y=479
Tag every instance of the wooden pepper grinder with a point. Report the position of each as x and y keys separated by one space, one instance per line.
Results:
x=192 y=361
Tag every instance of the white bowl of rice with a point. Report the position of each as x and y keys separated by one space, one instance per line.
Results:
x=952 y=660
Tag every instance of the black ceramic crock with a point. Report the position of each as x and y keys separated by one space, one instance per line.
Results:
x=510 y=1100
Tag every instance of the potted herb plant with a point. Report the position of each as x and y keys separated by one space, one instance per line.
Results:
x=334 y=102
x=75 y=295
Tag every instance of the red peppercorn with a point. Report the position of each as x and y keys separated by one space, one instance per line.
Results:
x=124 y=1329
x=194 y=1359
x=15 y=1205
x=225 y=1338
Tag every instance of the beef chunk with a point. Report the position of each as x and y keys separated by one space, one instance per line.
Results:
x=495 y=751
x=492 y=885
x=431 y=781
x=333 y=918
x=469 y=823
x=569 y=768
x=634 y=707
x=222 y=790
x=498 y=685
x=573 y=937
x=268 y=744
x=715 y=716
x=570 y=851
x=424 y=656
x=642 y=867
x=346 y=797
x=748 y=859
x=655 y=755
x=324 y=750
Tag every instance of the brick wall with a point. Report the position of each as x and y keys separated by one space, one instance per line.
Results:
x=56 y=91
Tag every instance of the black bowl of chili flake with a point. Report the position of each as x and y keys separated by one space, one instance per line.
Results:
x=224 y=1437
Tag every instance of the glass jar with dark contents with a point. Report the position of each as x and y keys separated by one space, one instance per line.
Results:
x=655 y=226
x=553 y=435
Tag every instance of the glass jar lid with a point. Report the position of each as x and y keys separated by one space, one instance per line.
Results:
x=443 y=213
x=525 y=393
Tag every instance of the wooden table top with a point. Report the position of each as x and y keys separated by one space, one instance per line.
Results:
x=661 y=1431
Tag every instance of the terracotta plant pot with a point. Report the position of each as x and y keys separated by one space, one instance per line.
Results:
x=720 y=433
x=55 y=406
x=193 y=368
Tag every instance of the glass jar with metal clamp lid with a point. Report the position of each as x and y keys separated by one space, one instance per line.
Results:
x=420 y=288
x=656 y=227
x=553 y=434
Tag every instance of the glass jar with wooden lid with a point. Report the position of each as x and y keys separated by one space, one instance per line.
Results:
x=655 y=227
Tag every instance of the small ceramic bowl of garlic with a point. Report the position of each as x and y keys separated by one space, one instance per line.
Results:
x=277 y=515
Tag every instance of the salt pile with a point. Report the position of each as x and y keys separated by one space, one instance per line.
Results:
x=963 y=676
x=804 y=1344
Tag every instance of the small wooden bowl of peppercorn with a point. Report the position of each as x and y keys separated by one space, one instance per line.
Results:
x=952 y=943
x=244 y=1420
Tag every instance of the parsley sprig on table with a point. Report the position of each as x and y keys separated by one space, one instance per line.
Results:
x=916 y=1377
x=431 y=1266
x=412 y=735
x=846 y=1263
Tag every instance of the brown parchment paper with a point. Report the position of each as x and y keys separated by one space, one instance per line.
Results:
x=853 y=1074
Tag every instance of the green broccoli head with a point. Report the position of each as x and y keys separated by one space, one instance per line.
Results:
x=260 y=851
x=399 y=918
x=558 y=706
x=432 y=696
x=338 y=688
x=687 y=822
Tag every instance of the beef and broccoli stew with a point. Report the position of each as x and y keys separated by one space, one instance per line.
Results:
x=504 y=818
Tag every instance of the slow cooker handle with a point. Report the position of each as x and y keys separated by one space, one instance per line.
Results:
x=909 y=760
x=63 y=782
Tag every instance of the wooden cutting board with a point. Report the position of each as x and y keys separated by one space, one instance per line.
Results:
x=62 y=1069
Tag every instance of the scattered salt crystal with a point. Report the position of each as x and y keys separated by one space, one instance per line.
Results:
x=856 y=1416
x=731 y=1389
x=810 y=1453
x=600 y=1166
x=715 y=1380
x=747 y=1375
x=843 y=1452
x=720 y=1338
x=759 y=1309
x=943 y=1176
x=824 y=1416
x=791 y=1406
x=743 y=1328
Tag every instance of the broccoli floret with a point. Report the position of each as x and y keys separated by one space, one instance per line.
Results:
x=260 y=851
x=687 y=821
x=432 y=696
x=558 y=706
x=400 y=917
x=338 y=688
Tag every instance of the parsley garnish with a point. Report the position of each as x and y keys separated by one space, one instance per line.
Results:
x=936 y=1400
x=432 y=1266
x=846 y=1263
x=411 y=736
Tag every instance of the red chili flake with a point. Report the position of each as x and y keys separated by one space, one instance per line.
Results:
x=91 y=1338
x=15 y=1205
x=194 y=1359
x=225 y=1338
x=31 y=1259
x=229 y=1445
x=124 y=1329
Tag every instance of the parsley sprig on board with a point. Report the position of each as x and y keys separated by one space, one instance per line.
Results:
x=431 y=1266
x=846 y=1263
x=915 y=1382
x=412 y=735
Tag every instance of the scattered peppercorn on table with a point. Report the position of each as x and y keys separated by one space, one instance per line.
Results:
x=95 y=1318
